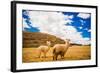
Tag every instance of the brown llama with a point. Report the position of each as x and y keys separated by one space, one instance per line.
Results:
x=60 y=49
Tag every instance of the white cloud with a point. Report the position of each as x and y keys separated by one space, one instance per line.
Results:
x=84 y=15
x=69 y=17
x=76 y=37
x=80 y=27
x=54 y=23
x=89 y=30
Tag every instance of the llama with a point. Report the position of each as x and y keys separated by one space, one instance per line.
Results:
x=44 y=49
x=60 y=49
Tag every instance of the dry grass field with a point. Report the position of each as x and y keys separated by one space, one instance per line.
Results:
x=73 y=53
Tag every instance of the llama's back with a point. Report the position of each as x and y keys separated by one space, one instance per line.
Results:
x=43 y=48
x=59 y=47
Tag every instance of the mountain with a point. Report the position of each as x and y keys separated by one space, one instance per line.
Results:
x=35 y=39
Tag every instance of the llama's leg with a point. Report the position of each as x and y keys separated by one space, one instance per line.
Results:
x=55 y=57
x=44 y=55
x=40 y=54
x=62 y=55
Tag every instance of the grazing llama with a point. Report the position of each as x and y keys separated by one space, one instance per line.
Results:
x=44 y=49
x=60 y=49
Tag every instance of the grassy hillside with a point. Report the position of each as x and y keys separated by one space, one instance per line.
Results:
x=35 y=39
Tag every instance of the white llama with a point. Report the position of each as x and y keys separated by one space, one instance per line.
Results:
x=44 y=49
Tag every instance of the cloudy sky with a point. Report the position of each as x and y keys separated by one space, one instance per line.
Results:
x=66 y=25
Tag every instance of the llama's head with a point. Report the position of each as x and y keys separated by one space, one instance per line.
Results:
x=48 y=43
x=67 y=41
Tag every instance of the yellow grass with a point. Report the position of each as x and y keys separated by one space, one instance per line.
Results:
x=73 y=53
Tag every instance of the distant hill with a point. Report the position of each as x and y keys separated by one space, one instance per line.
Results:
x=35 y=39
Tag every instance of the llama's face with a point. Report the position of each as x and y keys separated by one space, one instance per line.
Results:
x=68 y=40
x=48 y=43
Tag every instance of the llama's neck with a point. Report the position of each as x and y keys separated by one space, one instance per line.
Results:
x=67 y=43
x=48 y=44
x=48 y=48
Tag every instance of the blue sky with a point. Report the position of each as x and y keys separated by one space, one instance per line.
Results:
x=78 y=23
x=81 y=22
x=28 y=22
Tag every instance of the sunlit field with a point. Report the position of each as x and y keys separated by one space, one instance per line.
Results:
x=73 y=53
